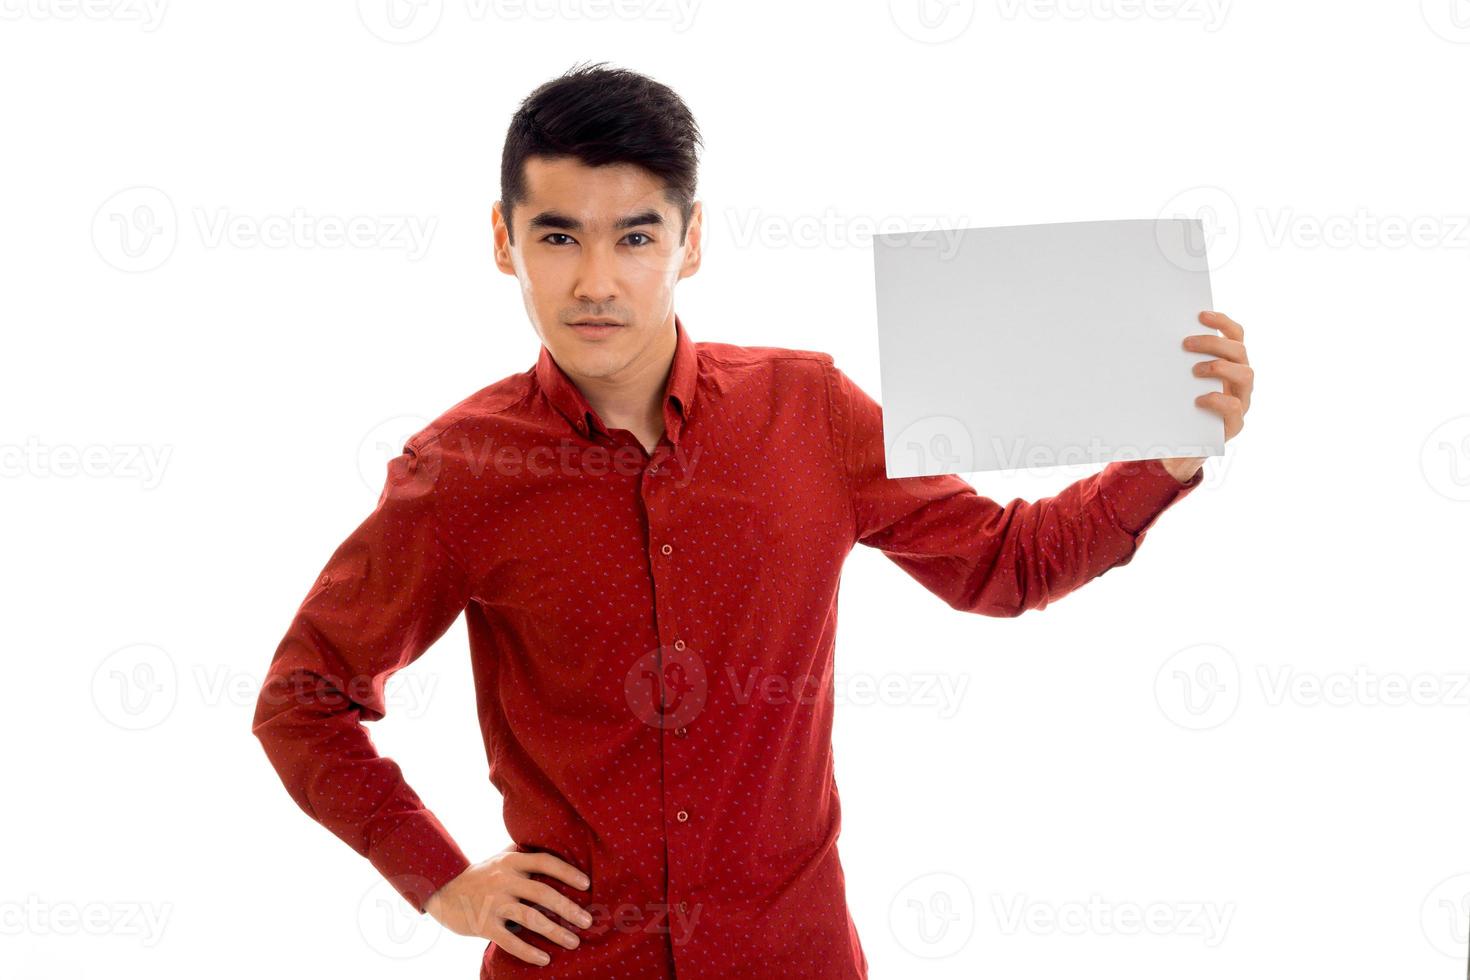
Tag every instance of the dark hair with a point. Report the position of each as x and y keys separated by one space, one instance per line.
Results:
x=602 y=116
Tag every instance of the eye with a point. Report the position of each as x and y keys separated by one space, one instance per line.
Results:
x=640 y=235
x=555 y=234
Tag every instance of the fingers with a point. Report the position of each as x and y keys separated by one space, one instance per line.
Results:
x=1233 y=367
x=518 y=948
x=547 y=897
x=534 y=918
x=1221 y=322
x=549 y=864
x=518 y=914
x=1204 y=343
x=1228 y=407
x=541 y=893
x=531 y=918
x=1239 y=378
x=1218 y=401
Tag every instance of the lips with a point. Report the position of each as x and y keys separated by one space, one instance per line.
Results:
x=594 y=330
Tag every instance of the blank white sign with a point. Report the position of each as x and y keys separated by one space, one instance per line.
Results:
x=1042 y=345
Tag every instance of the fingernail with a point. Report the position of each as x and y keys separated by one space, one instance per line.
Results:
x=542 y=958
x=582 y=882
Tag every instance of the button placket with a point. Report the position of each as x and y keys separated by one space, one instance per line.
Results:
x=656 y=506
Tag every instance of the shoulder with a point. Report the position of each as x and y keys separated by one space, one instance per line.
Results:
x=742 y=354
x=473 y=415
x=775 y=363
x=445 y=462
x=781 y=381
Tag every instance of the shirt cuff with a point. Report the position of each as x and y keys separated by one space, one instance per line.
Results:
x=418 y=857
x=1137 y=491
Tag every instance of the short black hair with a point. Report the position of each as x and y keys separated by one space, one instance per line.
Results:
x=601 y=115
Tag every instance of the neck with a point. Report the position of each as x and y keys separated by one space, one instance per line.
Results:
x=634 y=400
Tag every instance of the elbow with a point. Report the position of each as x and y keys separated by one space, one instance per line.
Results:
x=1001 y=592
x=1003 y=607
x=1006 y=602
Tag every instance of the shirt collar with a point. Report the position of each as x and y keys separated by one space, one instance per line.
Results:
x=568 y=399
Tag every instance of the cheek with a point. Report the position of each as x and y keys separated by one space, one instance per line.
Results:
x=544 y=278
x=655 y=276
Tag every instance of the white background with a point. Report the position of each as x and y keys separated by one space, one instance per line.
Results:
x=1250 y=740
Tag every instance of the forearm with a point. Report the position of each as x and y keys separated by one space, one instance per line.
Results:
x=994 y=560
x=313 y=735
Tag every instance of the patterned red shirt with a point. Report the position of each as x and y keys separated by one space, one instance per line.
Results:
x=652 y=645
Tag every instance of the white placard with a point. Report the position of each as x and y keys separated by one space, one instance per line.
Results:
x=1042 y=345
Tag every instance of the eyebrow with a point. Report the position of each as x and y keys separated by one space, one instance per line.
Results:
x=555 y=219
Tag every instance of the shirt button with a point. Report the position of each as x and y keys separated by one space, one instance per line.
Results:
x=681 y=730
x=682 y=815
x=667 y=549
x=653 y=468
x=678 y=644
x=683 y=906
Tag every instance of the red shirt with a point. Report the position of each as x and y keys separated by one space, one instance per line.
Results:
x=652 y=645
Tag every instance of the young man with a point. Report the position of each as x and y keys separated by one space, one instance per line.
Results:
x=645 y=533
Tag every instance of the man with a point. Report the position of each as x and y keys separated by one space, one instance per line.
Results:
x=645 y=535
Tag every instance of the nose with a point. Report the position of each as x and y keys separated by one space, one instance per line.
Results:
x=596 y=275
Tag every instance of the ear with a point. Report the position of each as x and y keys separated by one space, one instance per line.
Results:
x=501 y=232
x=693 y=242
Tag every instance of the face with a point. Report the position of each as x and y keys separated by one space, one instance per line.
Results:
x=598 y=243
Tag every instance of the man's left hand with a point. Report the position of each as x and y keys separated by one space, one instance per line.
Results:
x=1231 y=366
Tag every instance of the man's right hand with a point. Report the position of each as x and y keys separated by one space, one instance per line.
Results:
x=485 y=896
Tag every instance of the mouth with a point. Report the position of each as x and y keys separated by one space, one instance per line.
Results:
x=594 y=328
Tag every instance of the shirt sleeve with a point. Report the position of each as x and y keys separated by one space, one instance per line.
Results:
x=981 y=556
x=385 y=595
